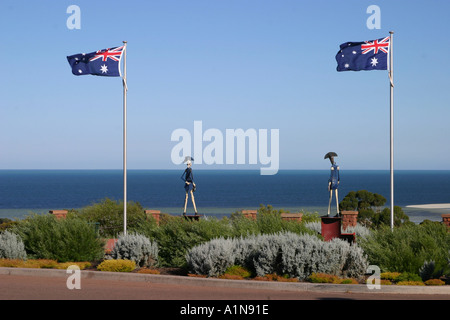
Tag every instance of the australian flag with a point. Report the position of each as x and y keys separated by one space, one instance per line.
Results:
x=104 y=62
x=367 y=55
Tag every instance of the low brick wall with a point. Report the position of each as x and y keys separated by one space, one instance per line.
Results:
x=250 y=214
x=349 y=219
x=292 y=216
x=156 y=214
x=446 y=219
x=59 y=214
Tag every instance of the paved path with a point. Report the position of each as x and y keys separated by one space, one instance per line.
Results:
x=45 y=284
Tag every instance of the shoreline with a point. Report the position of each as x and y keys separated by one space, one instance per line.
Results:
x=430 y=206
x=416 y=213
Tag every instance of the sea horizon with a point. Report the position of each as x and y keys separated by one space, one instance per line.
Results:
x=219 y=192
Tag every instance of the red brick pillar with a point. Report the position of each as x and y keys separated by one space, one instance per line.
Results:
x=156 y=214
x=59 y=214
x=446 y=219
x=292 y=216
x=349 y=219
x=250 y=214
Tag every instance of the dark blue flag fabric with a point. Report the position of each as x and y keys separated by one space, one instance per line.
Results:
x=104 y=62
x=367 y=55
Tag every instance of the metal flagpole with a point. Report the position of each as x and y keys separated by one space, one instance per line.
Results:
x=391 y=80
x=125 y=89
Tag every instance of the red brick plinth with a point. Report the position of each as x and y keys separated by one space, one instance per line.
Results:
x=59 y=214
x=446 y=219
x=250 y=214
x=109 y=246
x=292 y=216
x=156 y=214
x=349 y=219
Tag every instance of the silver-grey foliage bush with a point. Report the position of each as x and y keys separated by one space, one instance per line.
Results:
x=11 y=246
x=212 y=258
x=284 y=253
x=138 y=248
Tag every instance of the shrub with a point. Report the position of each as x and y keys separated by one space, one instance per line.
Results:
x=63 y=240
x=119 y=265
x=238 y=271
x=82 y=265
x=406 y=276
x=11 y=246
x=392 y=276
x=385 y=282
x=301 y=256
x=348 y=281
x=30 y=263
x=408 y=247
x=211 y=258
x=109 y=214
x=6 y=224
x=434 y=282
x=269 y=221
x=138 y=248
x=315 y=226
x=295 y=255
x=427 y=270
x=323 y=278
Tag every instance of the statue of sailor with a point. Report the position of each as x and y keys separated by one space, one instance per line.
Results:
x=189 y=185
x=333 y=181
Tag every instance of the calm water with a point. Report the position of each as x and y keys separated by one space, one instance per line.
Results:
x=218 y=192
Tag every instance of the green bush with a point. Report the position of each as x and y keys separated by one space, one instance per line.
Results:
x=46 y=237
x=407 y=248
x=109 y=215
x=407 y=276
x=369 y=205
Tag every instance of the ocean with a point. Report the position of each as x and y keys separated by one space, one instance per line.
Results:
x=219 y=192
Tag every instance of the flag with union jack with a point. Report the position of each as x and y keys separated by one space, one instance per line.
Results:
x=104 y=62
x=367 y=55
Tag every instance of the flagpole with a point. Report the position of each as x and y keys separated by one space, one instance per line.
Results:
x=391 y=81
x=125 y=138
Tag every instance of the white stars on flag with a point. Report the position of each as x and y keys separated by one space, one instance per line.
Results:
x=104 y=69
x=374 y=62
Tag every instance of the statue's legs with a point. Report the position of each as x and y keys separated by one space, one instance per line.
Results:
x=329 y=202
x=185 y=202
x=193 y=201
x=337 y=202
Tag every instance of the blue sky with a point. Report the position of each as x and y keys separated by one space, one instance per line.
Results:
x=259 y=64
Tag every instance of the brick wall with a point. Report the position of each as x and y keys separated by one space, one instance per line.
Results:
x=59 y=214
x=446 y=219
x=349 y=219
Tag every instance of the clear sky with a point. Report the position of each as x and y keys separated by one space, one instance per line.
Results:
x=231 y=64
